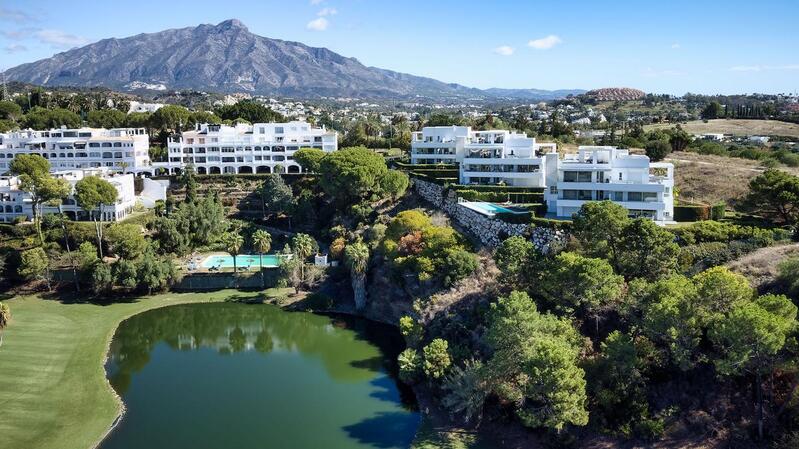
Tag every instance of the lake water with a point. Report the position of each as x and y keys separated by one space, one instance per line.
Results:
x=242 y=376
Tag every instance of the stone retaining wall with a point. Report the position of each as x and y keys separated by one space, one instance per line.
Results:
x=490 y=231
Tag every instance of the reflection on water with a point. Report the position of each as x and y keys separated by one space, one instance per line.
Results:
x=254 y=376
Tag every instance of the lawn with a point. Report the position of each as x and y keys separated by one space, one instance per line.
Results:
x=53 y=389
x=736 y=127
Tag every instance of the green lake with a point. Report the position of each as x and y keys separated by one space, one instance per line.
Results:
x=254 y=376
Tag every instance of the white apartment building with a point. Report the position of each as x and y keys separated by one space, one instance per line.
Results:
x=485 y=157
x=123 y=149
x=598 y=173
x=257 y=148
x=16 y=203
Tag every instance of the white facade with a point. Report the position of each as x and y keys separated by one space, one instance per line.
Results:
x=257 y=148
x=608 y=173
x=16 y=203
x=123 y=149
x=485 y=157
x=136 y=106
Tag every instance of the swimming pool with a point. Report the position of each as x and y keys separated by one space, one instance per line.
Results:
x=489 y=209
x=242 y=260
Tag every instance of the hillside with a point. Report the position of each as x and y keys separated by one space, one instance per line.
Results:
x=738 y=127
x=227 y=57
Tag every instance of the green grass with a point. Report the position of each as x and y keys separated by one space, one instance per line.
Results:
x=53 y=389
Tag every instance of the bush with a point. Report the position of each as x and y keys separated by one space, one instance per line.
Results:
x=788 y=275
x=658 y=150
x=717 y=211
x=701 y=256
x=689 y=212
x=515 y=218
x=458 y=264
x=501 y=196
x=410 y=364
x=319 y=301
x=549 y=223
x=436 y=358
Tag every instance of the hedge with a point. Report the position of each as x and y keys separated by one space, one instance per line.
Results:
x=438 y=173
x=515 y=218
x=687 y=211
x=501 y=197
x=497 y=188
x=405 y=166
x=552 y=224
x=439 y=181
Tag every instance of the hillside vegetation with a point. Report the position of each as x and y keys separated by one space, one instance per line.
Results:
x=737 y=127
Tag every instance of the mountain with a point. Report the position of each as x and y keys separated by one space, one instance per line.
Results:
x=229 y=58
x=532 y=94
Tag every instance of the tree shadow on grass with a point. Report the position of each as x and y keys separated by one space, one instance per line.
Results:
x=385 y=430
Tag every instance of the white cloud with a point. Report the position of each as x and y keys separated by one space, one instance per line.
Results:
x=316 y=2
x=59 y=39
x=319 y=24
x=504 y=50
x=15 y=48
x=675 y=45
x=14 y=15
x=327 y=12
x=545 y=43
x=763 y=68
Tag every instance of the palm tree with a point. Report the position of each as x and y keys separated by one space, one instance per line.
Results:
x=63 y=221
x=304 y=245
x=263 y=242
x=356 y=256
x=5 y=318
x=233 y=242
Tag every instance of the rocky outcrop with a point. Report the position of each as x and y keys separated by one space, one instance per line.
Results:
x=615 y=94
x=490 y=231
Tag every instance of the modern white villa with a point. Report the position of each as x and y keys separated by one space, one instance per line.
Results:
x=598 y=173
x=16 y=203
x=485 y=157
x=257 y=148
x=123 y=149
x=595 y=173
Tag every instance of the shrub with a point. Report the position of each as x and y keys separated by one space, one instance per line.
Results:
x=691 y=212
x=410 y=364
x=788 y=275
x=565 y=225
x=515 y=218
x=710 y=254
x=436 y=358
x=717 y=211
x=658 y=150
x=458 y=264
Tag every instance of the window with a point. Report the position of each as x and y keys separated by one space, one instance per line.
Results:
x=650 y=196
x=577 y=176
x=618 y=196
x=620 y=176
x=635 y=196
x=278 y=130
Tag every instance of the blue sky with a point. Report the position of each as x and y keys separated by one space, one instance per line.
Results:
x=665 y=47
